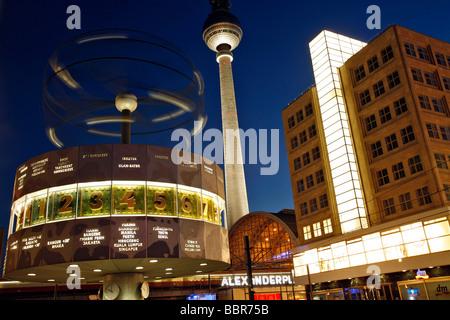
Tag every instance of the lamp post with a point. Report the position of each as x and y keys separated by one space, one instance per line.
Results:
x=248 y=262
x=309 y=283
x=126 y=103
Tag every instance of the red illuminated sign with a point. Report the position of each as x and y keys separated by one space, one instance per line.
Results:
x=268 y=296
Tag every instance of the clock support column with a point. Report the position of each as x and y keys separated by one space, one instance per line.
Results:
x=123 y=286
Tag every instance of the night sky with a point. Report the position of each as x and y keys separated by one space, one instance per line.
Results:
x=272 y=65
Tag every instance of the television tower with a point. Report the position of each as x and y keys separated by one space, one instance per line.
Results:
x=222 y=33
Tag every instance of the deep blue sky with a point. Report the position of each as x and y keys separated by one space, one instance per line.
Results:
x=271 y=67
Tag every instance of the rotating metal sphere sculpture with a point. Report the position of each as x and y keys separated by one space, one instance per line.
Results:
x=119 y=83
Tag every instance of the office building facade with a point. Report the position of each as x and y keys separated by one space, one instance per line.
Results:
x=314 y=198
x=387 y=156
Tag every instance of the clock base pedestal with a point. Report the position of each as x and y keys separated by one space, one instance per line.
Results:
x=123 y=286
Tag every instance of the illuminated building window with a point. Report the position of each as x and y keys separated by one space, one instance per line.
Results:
x=315 y=153
x=415 y=164
x=437 y=231
x=397 y=171
x=313 y=205
x=312 y=131
x=430 y=78
x=376 y=149
x=391 y=142
x=297 y=163
x=294 y=142
x=447 y=191
x=299 y=115
x=400 y=106
x=423 y=196
x=306 y=159
x=303 y=137
x=378 y=89
x=310 y=181
x=417 y=75
x=414 y=239
x=407 y=134
x=323 y=200
x=291 y=122
x=440 y=161
x=303 y=208
x=445 y=132
x=371 y=122
x=372 y=63
x=364 y=97
x=405 y=201
x=393 y=79
x=360 y=73
x=308 y=109
x=423 y=53
x=327 y=228
x=385 y=115
x=382 y=177
x=328 y=52
x=300 y=186
x=432 y=130
x=317 y=229
x=307 y=232
x=424 y=102
x=389 y=206
x=440 y=59
x=319 y=177
x=409 y=48
x=387 y=54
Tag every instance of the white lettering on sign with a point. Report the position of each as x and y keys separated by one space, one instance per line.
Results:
x=260 y=280
x=64 y=165
x=38 y=167
x=421 y=274
x=128 y=240
x=158 y=156
x=92 y=237
x=163 y=232
x=14 y=245
x=95 y=155
x=129 y=165
x=31 y=242
x=55 y=244
x=192 y=246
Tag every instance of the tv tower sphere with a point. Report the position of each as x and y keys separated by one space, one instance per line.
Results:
x=222 y=28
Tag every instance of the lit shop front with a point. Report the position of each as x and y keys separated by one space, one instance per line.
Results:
x=271 y=237
x=426 y=287
x=266 y=286
x=115 y=208
x=395 y=255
